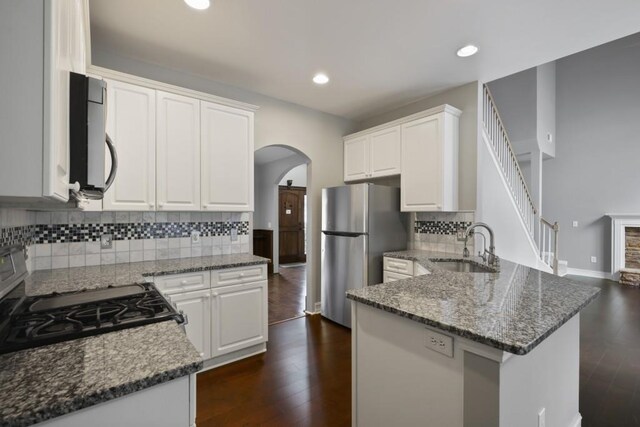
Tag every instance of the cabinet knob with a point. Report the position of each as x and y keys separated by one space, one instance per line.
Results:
x=160 y=205
x=184 y=282
x=215 y=294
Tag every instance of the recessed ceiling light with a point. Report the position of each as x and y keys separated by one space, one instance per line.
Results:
x=320 y=79
x=199 y=4
x=467 y=50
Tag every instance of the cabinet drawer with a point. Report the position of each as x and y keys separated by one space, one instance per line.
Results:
x=238 y=276
x=396 y=265
x=389 y=276
x=183 y=282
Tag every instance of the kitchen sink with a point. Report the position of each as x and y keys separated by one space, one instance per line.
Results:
x=462 y=267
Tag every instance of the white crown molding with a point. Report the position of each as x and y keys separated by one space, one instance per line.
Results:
x=153 y=84
x=426 y=113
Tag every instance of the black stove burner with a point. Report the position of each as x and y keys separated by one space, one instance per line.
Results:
x=45 y=320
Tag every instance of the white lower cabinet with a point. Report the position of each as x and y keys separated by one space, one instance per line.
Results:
x=197 y=307
x=226 y=310
x=399 y=269
x=239 y=317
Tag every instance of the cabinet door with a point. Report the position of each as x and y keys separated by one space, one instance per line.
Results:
x=58 y=63
x=356 y=158
x=197 y=306
x=178 y=152
x=385 y=148
x=227 y=158
x=239 y=317
x=131 y=124
x=422 y=169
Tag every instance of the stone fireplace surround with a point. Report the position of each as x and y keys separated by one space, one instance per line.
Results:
x=625 y=248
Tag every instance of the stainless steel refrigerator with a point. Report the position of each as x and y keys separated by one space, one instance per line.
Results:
x=359 y=223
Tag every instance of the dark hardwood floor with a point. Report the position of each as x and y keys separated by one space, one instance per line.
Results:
x=304 y=379
x=305 y=376
x=610 y=357
x=287 y=292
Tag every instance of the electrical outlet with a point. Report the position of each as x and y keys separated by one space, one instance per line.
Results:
x=549 y=137
x=439 y=342
x=460 y=233
x=575 y=224
x=542 y=422
x=594 y=259
x=106 y=241
x=234 y=234
x=195 y=236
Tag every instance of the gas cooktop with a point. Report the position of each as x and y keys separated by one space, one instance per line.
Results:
x=35 y=321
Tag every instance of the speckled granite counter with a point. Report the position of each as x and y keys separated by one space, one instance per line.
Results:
x=513 y=310
x=46 y=382
x=43 y=282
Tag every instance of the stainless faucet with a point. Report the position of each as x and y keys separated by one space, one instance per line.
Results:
x=492 y=259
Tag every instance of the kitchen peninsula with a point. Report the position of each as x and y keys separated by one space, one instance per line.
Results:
x=489 y=348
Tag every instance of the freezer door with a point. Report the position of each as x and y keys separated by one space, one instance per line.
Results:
x=344 y=208
x=344 y=267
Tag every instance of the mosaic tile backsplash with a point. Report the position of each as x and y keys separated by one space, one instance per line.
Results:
x=72 y=239
x=437 y=231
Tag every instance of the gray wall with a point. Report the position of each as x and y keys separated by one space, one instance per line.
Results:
x=318 y=135
x=464 y=98
x=596 y=169
x=515 y=97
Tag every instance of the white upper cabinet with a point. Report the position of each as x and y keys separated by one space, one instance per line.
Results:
x=356 y=158
x=429 y=177
x=131 y=124
x=385 y=152
x=41 y=43
x=178 y=152
x=372 y=155
x=226 y=158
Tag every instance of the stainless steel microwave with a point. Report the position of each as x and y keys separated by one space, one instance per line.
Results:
x=88 y=137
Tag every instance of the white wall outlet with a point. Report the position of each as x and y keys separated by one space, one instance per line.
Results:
x=574 y=224
x=439 y=342
x=106 y=241
x=541 y=418
x=195 y=236
x=269 y=225
x=460 y=233
x=234 y=234
x=594 y=259
x=549 y=137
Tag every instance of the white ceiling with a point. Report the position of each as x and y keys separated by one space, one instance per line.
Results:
x=271 y=154
x=379 y=54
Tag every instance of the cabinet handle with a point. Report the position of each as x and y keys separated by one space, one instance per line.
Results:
x=160 y=205
x=204 y=206
x=151 y=205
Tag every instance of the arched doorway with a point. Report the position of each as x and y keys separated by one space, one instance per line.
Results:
x=281 y=226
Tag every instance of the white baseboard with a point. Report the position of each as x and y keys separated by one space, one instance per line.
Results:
x=312 y=313
x=590 y=273
x=577 y=421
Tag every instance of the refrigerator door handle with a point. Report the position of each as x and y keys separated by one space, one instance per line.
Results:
x=342 y=233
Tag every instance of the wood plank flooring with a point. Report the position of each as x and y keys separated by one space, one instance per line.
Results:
x=287 y=292
x=304 y=379
x=610 y=357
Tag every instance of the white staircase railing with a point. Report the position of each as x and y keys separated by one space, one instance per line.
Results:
x=547 y=240
x=548 y=244
x=507 y=158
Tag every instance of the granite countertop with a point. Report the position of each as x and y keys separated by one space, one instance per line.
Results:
x=43 y=282
x=513 y=309
x=45 y=382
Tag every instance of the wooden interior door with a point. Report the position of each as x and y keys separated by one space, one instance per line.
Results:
x=291 y=223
